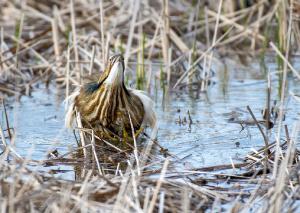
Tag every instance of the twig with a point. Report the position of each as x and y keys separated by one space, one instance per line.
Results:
x=6 y=120
x=260 y=129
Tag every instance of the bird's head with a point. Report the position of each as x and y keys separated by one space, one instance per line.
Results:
x=114 y=71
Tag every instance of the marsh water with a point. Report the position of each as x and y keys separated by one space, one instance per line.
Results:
x=196 y=127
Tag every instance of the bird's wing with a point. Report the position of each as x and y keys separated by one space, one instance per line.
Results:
x=150 y=115
x=69 y=107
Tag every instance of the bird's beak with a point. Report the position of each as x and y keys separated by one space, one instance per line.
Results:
x=116 y=74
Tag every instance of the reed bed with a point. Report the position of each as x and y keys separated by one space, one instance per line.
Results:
x=67 y=42
x=70 y=40
x=144 y=189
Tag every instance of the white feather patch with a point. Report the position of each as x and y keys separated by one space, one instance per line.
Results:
x=115 y=75
x=150 y=115
x=69 y=106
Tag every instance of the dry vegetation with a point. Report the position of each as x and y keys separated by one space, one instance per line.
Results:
x=65 y=42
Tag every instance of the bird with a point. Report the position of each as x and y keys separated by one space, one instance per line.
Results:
x=110 y=108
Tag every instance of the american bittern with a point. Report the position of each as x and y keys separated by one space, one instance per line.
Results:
x=111 y=109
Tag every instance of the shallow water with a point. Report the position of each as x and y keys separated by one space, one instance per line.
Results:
x=208 y=140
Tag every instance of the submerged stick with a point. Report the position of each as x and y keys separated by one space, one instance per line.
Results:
x=6 y=120
x=260 y=129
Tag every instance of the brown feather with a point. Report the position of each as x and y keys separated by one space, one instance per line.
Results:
x=104 y=106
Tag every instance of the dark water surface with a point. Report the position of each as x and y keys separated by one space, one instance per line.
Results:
x=208 y=140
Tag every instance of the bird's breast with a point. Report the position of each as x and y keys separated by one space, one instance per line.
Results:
x=110 y=107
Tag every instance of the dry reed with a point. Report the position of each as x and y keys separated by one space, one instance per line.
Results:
x=68 y=41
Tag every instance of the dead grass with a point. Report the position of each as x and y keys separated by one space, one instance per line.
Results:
x=67 y=41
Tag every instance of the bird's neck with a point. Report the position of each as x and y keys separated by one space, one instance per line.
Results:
x=117 y=90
